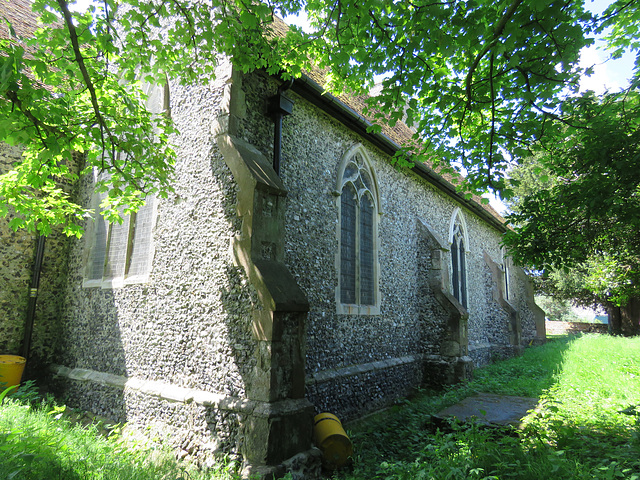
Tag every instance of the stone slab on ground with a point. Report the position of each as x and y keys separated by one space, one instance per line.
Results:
x=491 y=409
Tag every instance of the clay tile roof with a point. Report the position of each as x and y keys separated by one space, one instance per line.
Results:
x=21 y=17
x=400 y=135
x=24 y=23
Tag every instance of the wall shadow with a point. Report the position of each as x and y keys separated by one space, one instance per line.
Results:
x=501 y=377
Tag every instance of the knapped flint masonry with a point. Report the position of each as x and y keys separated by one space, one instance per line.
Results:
x=223 y=317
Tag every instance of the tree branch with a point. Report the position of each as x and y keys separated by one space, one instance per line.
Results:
x=497 y=32
x=493 y=116
x=73 y=36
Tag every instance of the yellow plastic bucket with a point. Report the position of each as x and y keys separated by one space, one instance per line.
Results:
x=11 y=368
x=331 y=438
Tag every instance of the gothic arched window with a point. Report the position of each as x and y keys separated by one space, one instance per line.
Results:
x=358 y=284
x=459 y=248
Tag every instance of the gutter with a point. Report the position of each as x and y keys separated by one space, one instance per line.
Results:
x=315 y=94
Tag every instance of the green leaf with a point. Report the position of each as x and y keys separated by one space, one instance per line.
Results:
x=6 y=392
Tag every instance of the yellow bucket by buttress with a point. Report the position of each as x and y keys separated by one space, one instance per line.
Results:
x=331 y=438
x=11 y=368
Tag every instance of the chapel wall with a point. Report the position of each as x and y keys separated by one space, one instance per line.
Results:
x=17 y=261
x=174 y=353
x=17 y=250
x=177 y=352
x=359 y=363
x=531 y=315
x=488 y=324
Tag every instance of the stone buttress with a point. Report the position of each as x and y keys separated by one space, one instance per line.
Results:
x=280 y=427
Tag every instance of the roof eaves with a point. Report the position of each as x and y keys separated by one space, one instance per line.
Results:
x=332 y=105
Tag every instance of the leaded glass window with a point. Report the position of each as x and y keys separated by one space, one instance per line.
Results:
x=117 y=249
x=505 y=272
x=348 y=245
x=139 y=259
x=358 y=213
x=366 y=251
x=458 y=264
x=98 y=249
x=120 y=253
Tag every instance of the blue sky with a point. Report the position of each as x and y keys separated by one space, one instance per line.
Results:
x=612 y=75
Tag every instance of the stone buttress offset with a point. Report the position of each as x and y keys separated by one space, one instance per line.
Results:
x=454 y=364
x=538 y=313
x=515 y=324
x=280 y=427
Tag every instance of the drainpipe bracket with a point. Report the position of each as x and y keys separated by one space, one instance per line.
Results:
x=280 y=105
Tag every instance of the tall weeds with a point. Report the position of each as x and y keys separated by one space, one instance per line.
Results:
x=586 y=426
x=39 y=442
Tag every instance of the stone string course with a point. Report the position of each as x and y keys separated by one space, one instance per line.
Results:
x=198 y=431
x=198 y=423
x=352 y=395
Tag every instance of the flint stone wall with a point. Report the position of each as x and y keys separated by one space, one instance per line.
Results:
x=410 y=323
x=571 y=328
x=193 y=428
x=16 y=262
x=17 y=258
x=189 y=325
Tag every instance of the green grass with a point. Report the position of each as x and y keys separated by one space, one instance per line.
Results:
x=39 y=442
x=578 y=430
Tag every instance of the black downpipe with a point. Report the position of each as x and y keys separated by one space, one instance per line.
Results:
x=277 y=142
x=33 y=297
x=279 y=106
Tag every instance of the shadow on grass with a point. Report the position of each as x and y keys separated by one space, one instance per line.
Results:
x=529 y=375
x=38 y=443
x=398 y=442
x=29 y=452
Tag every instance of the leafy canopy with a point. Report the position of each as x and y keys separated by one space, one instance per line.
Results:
x=584 y=213
x=480 y=80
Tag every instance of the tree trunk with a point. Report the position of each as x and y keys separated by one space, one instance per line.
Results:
x=625 y=320
x=615 y=320
x=630 y=314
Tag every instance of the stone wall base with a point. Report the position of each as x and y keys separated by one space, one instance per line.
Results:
x=352 y=392
x=489 y=353
x=198 y=432
x=440 y=371
x=200 y=426
x=303 y=466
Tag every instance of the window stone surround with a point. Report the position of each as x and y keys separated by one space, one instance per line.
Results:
x=358 y=309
